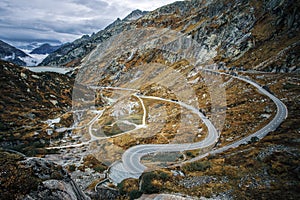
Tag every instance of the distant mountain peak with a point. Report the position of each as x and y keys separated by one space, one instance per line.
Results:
x=117 y=22
x=134 y=15
x=44 y=49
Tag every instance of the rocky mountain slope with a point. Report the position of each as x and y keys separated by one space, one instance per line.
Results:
x=44 y=49
x=35 y=178
x=12 y=54
x=241 y=33
x=27 y=101
x=229 y=36
x=70 y=54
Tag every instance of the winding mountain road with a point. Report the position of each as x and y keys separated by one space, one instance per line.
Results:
x=131 y=159
x=131 y=165
x=281 y=115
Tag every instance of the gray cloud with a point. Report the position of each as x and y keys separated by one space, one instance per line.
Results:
x=63 y=20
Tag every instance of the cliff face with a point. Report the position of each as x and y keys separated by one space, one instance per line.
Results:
x=245 y=34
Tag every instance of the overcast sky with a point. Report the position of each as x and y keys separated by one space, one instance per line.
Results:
x=63 y=20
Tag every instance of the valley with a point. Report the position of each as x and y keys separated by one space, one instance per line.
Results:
x=194 y=100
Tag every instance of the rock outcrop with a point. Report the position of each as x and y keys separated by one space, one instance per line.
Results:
x=35 y=178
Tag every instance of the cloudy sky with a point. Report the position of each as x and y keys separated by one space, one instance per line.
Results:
x=63 y=20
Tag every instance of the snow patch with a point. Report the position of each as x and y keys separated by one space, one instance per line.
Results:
x=194 y=81
x=50 y=122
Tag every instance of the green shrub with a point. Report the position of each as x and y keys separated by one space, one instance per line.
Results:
x=254 y=139
x=134 y=194
x=164 y=176
x=3 y=127
x=121 y=188
x=100 y=168
x=147 y=187
x=197 y=166
x=190 y=154
x=71 y=168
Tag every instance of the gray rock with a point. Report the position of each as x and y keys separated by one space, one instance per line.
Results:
x=105 y=194
x=56 y=182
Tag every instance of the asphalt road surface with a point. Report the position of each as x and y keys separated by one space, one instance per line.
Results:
x=131 y=159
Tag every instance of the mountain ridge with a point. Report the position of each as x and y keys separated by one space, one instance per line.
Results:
x=70 y=54
x=234 y=31
x=11 y=53
x=44 y=49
